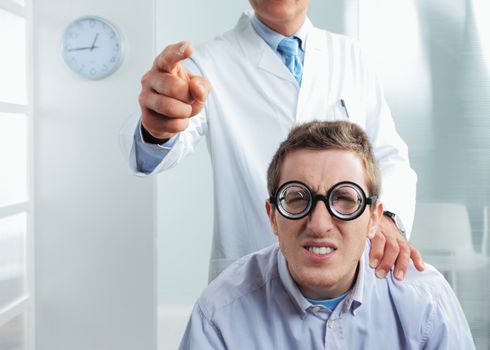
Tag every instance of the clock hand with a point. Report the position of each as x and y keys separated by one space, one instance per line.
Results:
x=83 y=48
x=93 y=44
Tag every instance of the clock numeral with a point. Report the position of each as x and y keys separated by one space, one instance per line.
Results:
x=82 y=67
x=112 y=34
x=93 y=72
x=113 y=59
x=104 y=68
x=91 y=23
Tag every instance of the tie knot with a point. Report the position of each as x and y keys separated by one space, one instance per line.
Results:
x=288 y=46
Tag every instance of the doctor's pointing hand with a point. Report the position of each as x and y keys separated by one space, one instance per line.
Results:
x=170 y=95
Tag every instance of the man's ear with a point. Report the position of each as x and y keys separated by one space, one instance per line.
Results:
x=270 y=213
x=376 y=216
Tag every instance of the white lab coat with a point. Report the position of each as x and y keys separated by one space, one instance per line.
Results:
x=253 y=104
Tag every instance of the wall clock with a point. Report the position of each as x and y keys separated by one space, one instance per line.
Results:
x=92 y=47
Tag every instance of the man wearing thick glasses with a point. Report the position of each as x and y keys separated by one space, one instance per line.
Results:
x=315 y=289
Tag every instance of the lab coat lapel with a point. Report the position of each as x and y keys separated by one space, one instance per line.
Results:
x=258 y=52
x=271 y=63
x=313 y=95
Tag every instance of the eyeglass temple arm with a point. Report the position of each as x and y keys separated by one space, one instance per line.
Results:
x=372 y=199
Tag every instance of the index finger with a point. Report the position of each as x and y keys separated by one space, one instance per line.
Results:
x=170 y=57
x=417 y=258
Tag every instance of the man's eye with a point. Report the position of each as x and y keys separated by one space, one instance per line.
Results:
x=347 y=199
x=346 y=202
x=296 y=197
x=295 y=200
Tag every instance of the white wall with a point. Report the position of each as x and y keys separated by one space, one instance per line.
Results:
x=94 y=222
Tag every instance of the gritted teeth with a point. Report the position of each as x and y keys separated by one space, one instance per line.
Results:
x=320 y=250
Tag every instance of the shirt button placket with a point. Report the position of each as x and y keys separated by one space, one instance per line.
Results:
x=333 y=336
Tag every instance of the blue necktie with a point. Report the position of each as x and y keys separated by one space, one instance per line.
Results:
x=288 y=48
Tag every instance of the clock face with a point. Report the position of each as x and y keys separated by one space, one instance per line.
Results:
x=92 y=47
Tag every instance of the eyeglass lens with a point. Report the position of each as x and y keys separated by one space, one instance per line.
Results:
x=345 y=200
x=295 y=199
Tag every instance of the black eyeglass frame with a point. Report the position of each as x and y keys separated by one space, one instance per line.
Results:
x=315 y=197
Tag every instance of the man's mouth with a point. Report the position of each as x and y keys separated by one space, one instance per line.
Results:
x=320 y=250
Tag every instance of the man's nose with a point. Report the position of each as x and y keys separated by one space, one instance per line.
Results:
x=320 y=220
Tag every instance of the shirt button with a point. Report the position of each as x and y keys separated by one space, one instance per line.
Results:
x=330 y=323
x=316 y=309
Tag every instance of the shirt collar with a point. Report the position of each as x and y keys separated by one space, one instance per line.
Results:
x=292 y=289
x=273 y=38
x=354 y=300
x=351 y=303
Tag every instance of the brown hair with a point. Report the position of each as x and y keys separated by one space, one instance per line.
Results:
x=325 y=135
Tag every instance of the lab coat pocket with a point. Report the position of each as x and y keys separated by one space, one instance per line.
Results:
x=347 y=109
x=337 y=111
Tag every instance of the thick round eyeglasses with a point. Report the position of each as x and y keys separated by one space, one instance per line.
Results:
x=345 y=200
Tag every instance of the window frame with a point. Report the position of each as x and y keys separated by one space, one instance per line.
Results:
x=24 y=305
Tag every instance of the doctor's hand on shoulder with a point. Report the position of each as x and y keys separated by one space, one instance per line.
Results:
x=389 y=249
x=170 y=95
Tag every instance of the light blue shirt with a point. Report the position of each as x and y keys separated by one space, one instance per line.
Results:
x=255 y=304
x=148 y=156
x=273 y=38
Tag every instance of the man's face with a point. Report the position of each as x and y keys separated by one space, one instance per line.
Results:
x=326 y=275
x=279 y=13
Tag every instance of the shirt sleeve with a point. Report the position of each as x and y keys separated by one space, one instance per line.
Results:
x=447 y=327
x=148 y=155
x=201 y=333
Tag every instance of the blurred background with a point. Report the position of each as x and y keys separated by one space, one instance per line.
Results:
x=92 y=257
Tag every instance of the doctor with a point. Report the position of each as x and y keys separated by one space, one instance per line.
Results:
x=274 y=69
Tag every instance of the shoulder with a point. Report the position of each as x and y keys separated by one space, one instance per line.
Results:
x=245 y=276
x=444 y=323
x=218 y=43
x=346 y=51
x=417 y=288
x=428 y=298
x=212 y=53
x=421 y=288
x=225 y=43
x=335 y=40
x=423 y=307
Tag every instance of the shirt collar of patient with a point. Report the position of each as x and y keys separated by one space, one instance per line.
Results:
x=352 y=301
x=272 y=38
x=329 y=303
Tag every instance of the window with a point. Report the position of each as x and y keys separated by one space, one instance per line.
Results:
x=16 y=278
x=434 y=64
